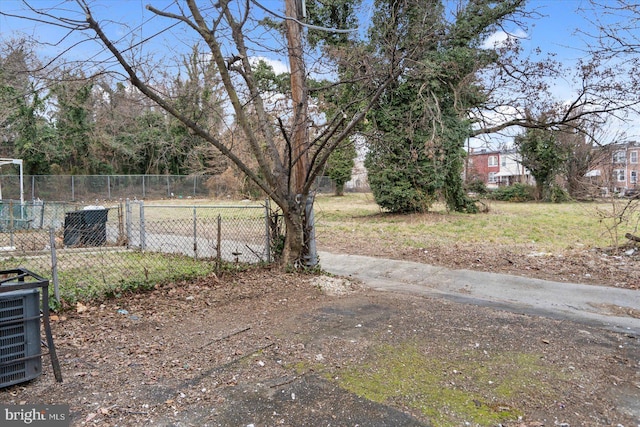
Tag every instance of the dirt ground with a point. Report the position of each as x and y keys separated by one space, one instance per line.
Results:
x=272 y=348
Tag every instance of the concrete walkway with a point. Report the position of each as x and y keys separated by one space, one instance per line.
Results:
x=595 y=305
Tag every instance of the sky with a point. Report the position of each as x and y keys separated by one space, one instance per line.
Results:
x=554 y=31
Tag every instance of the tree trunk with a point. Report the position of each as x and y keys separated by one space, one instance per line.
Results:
x=299 y=245
x=539 y=190
x=294 y=235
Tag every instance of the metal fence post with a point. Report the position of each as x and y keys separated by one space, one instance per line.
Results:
x=143 y=239
x=41 y=202
x=11 y=225
x=312 y=253
x=267 y=235
x=54 y=264
x=128 y=222
x=219 y=244
x=195 y=234
x=121 y=234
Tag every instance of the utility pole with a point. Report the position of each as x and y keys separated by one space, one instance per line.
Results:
x=300 y=130
x=299 y=93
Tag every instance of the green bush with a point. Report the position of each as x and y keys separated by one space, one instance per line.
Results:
x=401 y=198
x=477 y=186
x=401 y=183
x=514 y=193
x=557 y=195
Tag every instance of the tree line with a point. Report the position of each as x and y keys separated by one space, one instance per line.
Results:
x=64 y=122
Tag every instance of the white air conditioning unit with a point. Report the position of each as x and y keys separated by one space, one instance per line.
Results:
x=20 y=352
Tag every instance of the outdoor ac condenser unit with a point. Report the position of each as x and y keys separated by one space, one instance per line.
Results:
x=20 y=354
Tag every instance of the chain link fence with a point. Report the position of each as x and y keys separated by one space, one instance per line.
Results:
x=89 y=188
x=93 y=251
x=112 y=187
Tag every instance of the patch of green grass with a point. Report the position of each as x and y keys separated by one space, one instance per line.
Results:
x=105 y=274
x=351 y=205
x=123 y=272
x=450 y=391
x=544 y=226
x=207 y=210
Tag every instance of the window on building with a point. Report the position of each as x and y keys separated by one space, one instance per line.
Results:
x=620 y=175
x=634 y=177
x=619 y=157
x=493 y=160
x=492 y=177
x=503 y=162
x=633 y=157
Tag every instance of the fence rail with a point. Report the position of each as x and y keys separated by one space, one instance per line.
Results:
x=111 y=187
x=89 y=188
x=92 y=250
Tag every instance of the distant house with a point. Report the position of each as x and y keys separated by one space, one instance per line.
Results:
x=359 y=181
x=496 y=168
x=617 y=168
x=512 y=170
x=483 y=165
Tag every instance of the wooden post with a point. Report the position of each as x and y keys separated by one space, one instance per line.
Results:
x=300 y=135
x=300 y=131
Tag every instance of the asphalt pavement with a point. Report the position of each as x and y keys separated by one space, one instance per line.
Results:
x=603 y=306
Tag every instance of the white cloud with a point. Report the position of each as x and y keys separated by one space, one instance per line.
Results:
x=279 y=67
x=500 y=37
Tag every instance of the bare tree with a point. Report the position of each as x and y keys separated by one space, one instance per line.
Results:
x=617 y=23
x=519 y=90
x=604 y=78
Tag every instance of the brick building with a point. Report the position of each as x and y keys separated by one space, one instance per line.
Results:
x=617 y=169
x=496 y=168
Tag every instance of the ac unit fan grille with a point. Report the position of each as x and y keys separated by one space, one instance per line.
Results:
x=19 y=337
x=11 y=309
x=14 y=373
